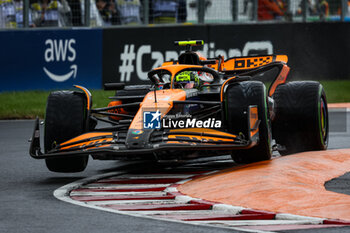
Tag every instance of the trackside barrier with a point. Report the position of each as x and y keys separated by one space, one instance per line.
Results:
x=56 y=59
x=316 y=51
x=50 y=59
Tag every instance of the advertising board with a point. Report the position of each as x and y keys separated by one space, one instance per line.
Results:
x=50 y=59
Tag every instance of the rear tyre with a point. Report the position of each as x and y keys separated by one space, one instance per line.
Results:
x=301 y=122
x=65 y=118
x=238 y=98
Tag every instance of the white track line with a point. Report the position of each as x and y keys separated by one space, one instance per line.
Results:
x=185 y=199
x=228 y=208
x=298 y=217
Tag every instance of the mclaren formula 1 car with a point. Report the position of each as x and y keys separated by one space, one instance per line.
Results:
x=194 y=106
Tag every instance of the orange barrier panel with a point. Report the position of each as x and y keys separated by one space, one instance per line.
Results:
x=292 y=184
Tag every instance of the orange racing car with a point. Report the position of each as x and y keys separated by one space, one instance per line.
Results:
x=195 y=107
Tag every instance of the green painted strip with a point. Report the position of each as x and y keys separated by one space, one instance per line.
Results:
x=267 y=120
x=319 y=113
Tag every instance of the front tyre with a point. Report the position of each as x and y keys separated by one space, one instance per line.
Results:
x=301 y=122
x=65 y=118
x=238 y=98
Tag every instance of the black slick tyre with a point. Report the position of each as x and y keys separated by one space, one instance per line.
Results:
x=65 y=118
x=238 y=98
x=301 y=122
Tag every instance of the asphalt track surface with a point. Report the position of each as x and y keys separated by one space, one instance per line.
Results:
x=28 y=204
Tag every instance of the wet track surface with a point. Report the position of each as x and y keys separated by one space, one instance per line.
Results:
x=28 y=204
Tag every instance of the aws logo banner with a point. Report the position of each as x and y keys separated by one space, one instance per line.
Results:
x=60 y=51
x=70 y=57
x=50 y=59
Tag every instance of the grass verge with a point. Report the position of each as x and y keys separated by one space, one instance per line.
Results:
x=29 y=104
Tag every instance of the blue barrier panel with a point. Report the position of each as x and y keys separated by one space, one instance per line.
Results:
x=50 y=59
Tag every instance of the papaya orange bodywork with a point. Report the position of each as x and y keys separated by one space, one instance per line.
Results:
x=282 y=58
x=223 y=86
x=247 y=63
x=164 y=104
x=203 y=130
x=70 y=143
x=89 y=143
x=281 y=78
x=178 y=137
x=87 y=136
x=253 y=120
x=87 y=94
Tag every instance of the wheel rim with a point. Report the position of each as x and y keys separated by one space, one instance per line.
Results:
x=323 y=121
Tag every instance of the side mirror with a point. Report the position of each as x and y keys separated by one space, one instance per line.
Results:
x=155 y=80
x=114 y=86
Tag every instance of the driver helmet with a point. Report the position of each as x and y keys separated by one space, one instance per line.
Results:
x=187 y=80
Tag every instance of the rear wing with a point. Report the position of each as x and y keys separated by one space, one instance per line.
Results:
x=248 y=63
x=238 y=63
x=234 y=64
x=249 y=66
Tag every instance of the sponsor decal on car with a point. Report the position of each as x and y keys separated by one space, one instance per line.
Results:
x=137 y=132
